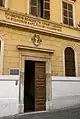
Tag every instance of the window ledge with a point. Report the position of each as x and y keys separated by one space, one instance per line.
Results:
x=71 y=27
x=40 y=18
x=3 y=8
x=61 y=24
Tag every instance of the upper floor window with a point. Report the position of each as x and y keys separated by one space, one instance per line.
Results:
x=40 y=8
x=67 y=13
x=69 y=62
x=2 y=2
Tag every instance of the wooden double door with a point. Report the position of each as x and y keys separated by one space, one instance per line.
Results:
x=34 y=86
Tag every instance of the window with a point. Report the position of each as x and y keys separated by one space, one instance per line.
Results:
x=2 y=2
x=67 y=13
x=69 y=62
x=40 y=8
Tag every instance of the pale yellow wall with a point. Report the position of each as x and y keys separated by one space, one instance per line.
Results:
x=18 y=5
x=55 y=10
x=14 y=37
x=77 y=11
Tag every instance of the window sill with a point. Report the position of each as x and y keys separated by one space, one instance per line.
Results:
x=71 y=27
x=2 y=8
x=38 y=17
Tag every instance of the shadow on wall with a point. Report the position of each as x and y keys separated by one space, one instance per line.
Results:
x=65 y=92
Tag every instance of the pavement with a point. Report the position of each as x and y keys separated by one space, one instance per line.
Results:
x=66 y=113
x=63 y=108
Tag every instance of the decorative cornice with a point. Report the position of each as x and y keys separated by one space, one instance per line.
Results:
x=32 y=21
x=20 y=20
x=34 y=49
x=7 y=23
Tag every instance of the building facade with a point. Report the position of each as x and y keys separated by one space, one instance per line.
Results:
x=39 y=39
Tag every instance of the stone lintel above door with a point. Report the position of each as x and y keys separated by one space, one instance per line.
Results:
x=34 y=48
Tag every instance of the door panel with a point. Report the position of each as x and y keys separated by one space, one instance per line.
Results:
x=40 y=86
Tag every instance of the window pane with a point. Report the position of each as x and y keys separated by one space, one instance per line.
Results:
x=64 y=5
x=65 y=13
x=70 y=72
x=68 y=58
x=47 y=6
x=40 y=8
x=71 y=22
x=47 y=14
x=33 y=2
x=70 y=65
x=70 y=14
x=70 y=7
x=65 y=20
x=34 y=11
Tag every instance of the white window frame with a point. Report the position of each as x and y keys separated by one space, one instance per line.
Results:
x=73 y=4
x=5 y=3
x=28 y=6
